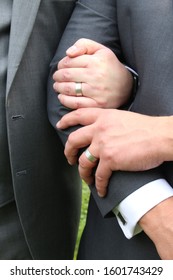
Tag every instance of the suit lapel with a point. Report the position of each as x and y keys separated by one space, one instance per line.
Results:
x=23 y=17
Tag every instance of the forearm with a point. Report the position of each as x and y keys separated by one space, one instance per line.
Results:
x=119 y=186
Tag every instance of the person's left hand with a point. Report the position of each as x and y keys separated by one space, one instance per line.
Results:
x=105 y=81
x=120 y=140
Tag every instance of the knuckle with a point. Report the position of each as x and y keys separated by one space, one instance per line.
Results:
x=107 y=154
x=78 y=113
x=71 y=140
x=66 y=61
x=66 y=75
x=82 y=162
x=102 y=103
x=78 y=103
x=102 y=129
x=98 y=60
x=63 y=63
x=81 y=40
x=99 y=178
x=67 y=90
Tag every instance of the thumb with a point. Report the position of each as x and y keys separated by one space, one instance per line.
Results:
x=84 y=46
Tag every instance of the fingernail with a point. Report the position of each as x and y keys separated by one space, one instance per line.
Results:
x=58 y=125
x=72 y=49
x=54 y=86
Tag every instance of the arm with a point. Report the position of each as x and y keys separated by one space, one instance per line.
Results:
x=121 y=183
x=121 y=140
x=94 y=17
x=154 y=147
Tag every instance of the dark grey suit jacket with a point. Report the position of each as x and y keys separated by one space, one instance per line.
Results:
x=47 y=198
x=140 y=33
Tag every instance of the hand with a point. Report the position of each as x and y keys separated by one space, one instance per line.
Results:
x=121 y=140
x=106 y=83
x=158 y=225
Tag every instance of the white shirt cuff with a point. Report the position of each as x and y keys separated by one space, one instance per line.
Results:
x=134 y=206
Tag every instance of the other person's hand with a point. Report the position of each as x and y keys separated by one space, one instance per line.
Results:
x=102 y=79
x=120 y=140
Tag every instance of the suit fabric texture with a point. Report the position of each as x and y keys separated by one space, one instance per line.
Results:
x=140 y=34
x=46 y=190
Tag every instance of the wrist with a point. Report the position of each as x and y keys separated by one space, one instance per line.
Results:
x=166 y=145
x=156 y=221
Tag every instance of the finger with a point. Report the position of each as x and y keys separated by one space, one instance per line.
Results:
x=75 y=50
x=78 y=139
x=102 y=176
x=69 y=88
x=73 y=156
x=77 y=62
x=64 y=88
x=82 y=46
x=86 y=169
x=77 y=102
x=70 y=75
x=83 y=116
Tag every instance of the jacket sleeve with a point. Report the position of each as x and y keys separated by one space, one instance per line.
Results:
x=92 y=20
x=95 y=20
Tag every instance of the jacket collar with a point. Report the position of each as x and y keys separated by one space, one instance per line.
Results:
x=24 y=13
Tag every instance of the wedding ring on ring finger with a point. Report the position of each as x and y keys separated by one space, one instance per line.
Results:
x=90 y=157
x=78 y=89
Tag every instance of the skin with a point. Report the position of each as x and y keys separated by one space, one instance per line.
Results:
x=130 y=147
x=120 y=140
x=158 y=225
x=100 y=72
